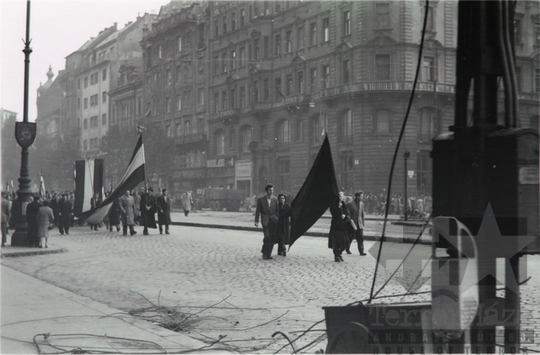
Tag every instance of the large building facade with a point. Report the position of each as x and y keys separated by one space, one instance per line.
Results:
x=248 y=89
x=256 y=84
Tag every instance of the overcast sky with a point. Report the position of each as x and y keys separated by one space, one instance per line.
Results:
x=57 y=28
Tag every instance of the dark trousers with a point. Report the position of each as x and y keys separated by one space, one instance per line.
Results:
x=337 y=251
x=125 y=228
x=359 y=235
x=161 y=228
x=4 y=233
x=269 y=232
x=281 y=244
x=64 y=224
x=32 y=234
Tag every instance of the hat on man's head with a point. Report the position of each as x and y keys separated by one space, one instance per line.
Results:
x=151 y=189
x=36 y=196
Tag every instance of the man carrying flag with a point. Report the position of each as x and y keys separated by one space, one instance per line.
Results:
x=134 y=175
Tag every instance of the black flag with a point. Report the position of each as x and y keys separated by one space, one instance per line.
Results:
x=315 y=195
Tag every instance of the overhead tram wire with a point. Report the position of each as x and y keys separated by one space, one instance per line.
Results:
x=397 y=149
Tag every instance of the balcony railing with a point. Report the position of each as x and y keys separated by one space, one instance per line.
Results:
x=228 y=113
x=388 y=86
x=190 y=138
x=527 y=96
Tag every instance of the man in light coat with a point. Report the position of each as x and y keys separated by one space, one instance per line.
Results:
x=356 y=209
x=267 y=210
x=127 y=209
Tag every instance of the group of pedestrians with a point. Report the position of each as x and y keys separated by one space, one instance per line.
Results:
x=347 y=223
x=274 y=214
x=142 y=210
x=43 y=213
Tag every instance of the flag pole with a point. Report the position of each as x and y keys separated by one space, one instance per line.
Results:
x=25 y=132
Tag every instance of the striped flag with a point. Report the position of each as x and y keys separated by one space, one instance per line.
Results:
x=132 y=177
x=42 y=189
x=89 y=178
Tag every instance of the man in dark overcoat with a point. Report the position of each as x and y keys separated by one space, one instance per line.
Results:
x=164 y=211
x=114 y=216
x=267 y=210
x=283 y=224
x=356 y=209
x=31 y=218
x=148 y=210
x=65 y=210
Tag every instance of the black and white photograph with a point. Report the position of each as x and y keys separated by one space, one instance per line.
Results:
x=270 y=177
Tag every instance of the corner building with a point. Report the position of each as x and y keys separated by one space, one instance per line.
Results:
x=284 y=72
x=264 y=79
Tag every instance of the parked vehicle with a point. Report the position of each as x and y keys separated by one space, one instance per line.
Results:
x=218 y=199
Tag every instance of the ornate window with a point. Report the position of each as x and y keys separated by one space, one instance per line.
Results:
x=245 y=138
x=382 y=67
x=220 y=142
x=346 y=127
x=283 y=134
x=382 y=121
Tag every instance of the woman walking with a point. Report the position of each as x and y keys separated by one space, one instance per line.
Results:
x=45 y=220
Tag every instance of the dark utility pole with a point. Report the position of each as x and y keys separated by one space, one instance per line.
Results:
x=25 y=133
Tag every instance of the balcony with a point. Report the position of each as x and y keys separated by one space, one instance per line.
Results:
x=525 y=96
x=191 y=139
x=373 y=86
x=228 y=113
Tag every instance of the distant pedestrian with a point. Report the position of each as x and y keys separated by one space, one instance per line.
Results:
x=187 y=202
x=31 y=219
x=356 y=210
x=54 y=206
x=94 y=202
x=283 y=225
x=267 y=209
x=5 y=217
x=338 y=237
x=45 y=222
x=164 y=211
x=127 y=209
x=65 y=208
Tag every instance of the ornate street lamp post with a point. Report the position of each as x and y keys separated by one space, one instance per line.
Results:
x=25 y=133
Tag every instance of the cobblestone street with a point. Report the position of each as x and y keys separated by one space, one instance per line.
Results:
x=196 y=268
x=218 y=279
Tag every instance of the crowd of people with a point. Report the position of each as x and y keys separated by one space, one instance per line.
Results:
x=416 y=206
x=42 y=214
x=140 y=209
x=53 y=209
x=347 y=223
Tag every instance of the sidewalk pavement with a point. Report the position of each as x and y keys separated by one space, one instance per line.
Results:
x=245 y=221
x=31 y=307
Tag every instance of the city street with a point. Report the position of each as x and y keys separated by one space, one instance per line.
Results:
x=213 y=284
